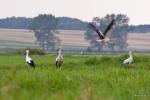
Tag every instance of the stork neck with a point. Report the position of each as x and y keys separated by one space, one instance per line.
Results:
x=59 y=52
x=130 y=55
x=27 y=54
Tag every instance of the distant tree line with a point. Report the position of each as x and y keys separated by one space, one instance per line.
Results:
x=63 y=23
x=71 y=24
x=139 y=28
x=25 y=23
x=15 y=22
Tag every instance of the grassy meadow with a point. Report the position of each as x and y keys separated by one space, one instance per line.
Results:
x=87 y=77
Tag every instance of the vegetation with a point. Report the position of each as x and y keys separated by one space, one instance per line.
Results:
x=118 y=34
x=67 y=23
x=15 y=22
x=33 y=51
x=64 y=23
x=44 y=27
x=81 y=78
x=15 y=44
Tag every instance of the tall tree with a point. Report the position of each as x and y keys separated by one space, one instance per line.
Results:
x=44 y=27
x=117 y=36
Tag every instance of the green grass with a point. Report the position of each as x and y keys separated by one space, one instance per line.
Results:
x=16 y=44
x=81 y=78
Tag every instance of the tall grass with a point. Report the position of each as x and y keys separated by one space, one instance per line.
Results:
x=81 y=78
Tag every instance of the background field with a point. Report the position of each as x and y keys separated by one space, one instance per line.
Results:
x=20 y=38
x=16 y=38
x=98 y=77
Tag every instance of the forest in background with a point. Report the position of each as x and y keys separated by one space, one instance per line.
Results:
x=66 y=23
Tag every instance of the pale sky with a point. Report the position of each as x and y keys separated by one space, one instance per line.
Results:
x=136 y=10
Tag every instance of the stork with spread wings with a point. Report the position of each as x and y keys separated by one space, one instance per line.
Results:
x=102 y=36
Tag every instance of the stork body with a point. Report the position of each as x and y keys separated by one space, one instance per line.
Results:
x=29 y=60
x=59 y=59
x=129 y=60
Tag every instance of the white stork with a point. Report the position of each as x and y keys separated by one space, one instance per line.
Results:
x=59 y=59
x=29 y=59
x=128 y=60
x=103 y=35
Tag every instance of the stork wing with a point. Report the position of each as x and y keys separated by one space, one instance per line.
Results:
x=32 y=63
x=109 y=27
x=100 y=35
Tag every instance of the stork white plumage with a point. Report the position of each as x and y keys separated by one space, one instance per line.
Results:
x=29 y=59
x=129 y=60
x=59 y=59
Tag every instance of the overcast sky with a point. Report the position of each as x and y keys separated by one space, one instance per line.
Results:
x=136 y=10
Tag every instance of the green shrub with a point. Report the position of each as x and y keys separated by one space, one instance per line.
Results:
x=93 y=61
x=32 y=51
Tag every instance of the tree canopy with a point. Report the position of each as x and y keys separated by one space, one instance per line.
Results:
x=44 y=27
x=117 y=36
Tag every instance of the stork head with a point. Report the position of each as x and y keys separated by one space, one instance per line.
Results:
x=27 y=51
x=59 y=48
x=130 y=52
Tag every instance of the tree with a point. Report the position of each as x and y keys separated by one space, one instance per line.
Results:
x=118 y=34
x=44 y=27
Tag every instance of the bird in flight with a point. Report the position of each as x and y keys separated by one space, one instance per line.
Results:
x=100 y=34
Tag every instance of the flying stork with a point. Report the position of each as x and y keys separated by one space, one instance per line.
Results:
x=29 y=59
x=100 y=34
x=128 y=60
x=59 y=59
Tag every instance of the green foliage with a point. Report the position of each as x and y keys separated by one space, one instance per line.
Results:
x=118 y=34
x=105 y=78
x=44 y=27
x=33 y=51
x=68 y=23
x=92 y=61
x=15 y=22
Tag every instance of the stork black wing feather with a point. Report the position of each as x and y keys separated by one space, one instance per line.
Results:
x=109 y=27
x=96 y=30
x=32 y=64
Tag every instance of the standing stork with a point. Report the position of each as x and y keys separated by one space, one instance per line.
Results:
x=128 y=60
x=59 y=59
x=100 y=34
x=29 y=59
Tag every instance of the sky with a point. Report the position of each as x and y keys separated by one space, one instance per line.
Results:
x=136 y=10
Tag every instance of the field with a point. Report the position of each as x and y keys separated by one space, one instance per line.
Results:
x=139 y=41
x=87 y=77
x=20 y=38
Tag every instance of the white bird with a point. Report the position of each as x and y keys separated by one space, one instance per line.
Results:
x=129 y=60
x=59 y=59
x=29 y=59
x=82 y=53
x=100 y=34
